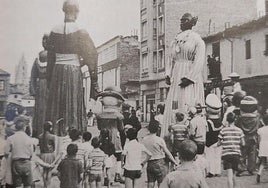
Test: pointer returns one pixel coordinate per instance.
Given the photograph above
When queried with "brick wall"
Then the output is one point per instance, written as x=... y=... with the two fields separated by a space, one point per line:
x=129 y=58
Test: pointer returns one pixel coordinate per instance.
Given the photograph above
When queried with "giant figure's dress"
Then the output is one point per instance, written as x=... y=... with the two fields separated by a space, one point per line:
x=187 y=59
x=69 y=49
x=38 y=88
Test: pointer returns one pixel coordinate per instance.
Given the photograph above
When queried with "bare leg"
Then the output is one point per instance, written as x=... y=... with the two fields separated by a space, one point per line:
x=230 y=177
x=234 y=179
x=135 y=183
x=128 y=183
x=98 y=184
x=151 y=184
x=93 y=184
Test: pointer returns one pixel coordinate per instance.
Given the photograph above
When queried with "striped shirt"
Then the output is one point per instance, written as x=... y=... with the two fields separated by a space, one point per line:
x=97 y=157
x=180 y=131
x=231 y=137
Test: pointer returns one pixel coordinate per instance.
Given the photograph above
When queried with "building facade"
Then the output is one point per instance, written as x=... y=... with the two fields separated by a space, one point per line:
x=160 y=20
x=119 y=66
x=243 y=49
x=4 y=90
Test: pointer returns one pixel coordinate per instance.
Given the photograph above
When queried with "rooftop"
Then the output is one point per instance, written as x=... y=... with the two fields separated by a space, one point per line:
x=239 y=29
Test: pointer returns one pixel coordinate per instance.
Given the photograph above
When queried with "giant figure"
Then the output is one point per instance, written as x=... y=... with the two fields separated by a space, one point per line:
x=111 y=120
x=38 y=88
x=69 y=49
x=184 y=74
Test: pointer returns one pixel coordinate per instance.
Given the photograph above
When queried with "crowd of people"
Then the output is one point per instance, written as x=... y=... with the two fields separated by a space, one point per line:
x=197 y=146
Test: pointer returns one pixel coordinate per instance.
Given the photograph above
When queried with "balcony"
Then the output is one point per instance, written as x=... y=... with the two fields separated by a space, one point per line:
x=214 y=68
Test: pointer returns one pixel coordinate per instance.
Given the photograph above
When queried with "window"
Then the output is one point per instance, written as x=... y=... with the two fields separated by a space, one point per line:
x=266 y=45
x=161 y=60
x=145 y=62
x=144 y=29
x=162 y=97
x=216 y=49
x=266 y=7
x=1 y=106
x=248 y=49
x=155 y=62
x=2 y=85
x=161 y=26
x=143 y=4
x=154 y=27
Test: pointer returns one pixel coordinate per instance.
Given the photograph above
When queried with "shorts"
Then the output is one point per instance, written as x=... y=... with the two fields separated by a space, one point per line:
x=200 y=147
x=176 y=146
x=231 y=162
x=21 y=172
x=132 y=174
x=94 y=177
x=156 y=170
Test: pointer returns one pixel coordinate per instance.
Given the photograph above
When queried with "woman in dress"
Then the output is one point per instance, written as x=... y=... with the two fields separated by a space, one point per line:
x=69 y=49
x=38 y=88
x=184 y=75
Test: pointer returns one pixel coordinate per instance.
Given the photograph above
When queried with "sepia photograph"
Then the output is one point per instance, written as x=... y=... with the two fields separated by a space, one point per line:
x=134 y=93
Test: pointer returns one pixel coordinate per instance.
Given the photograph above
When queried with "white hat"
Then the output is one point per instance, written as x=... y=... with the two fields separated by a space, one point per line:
x=213 y=104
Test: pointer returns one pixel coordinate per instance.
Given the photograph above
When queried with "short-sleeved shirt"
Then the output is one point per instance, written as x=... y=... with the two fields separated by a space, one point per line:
x=70 y=170
x=180 y=131
x=184 y=177
x=231 y=137
x=155 y=145
x=263 y=133
x=198 y=128
x=82 y=152
x=20 y=145
x=97 y=156
x=133 y=151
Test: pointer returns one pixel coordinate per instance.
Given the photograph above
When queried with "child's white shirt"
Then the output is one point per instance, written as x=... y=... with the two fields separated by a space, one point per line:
x=133 y=151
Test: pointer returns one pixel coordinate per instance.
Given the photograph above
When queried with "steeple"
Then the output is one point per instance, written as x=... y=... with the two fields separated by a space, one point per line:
x=21 y=75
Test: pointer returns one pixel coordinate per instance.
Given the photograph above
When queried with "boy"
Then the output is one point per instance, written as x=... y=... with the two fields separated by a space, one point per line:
x=132 y=154
x=87 y=147
x=156 y=168
x=187 y=175
x=180 y=132
x=231 y=138
x=70 y=169
x=263 y=146
x=96 y=163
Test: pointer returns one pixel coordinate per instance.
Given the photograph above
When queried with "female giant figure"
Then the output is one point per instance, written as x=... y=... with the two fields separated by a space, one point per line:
x=38 y=88
x=69 y=49
x=184 y=76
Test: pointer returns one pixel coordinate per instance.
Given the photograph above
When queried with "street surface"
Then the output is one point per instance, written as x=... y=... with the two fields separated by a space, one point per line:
x=215 y=182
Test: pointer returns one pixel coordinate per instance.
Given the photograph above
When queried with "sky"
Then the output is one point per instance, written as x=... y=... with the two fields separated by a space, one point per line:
x=23 y=23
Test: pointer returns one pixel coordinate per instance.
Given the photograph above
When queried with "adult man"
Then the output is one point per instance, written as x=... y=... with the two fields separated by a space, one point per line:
x=20 y=147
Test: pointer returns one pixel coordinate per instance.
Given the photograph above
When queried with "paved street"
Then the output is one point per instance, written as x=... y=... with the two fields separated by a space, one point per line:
x=217 y=182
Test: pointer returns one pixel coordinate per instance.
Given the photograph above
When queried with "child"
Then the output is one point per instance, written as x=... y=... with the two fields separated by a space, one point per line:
x=70 y=169
x=132 y=154
x=156 y=168
x=108 y=148
x=96 y=164
x=87 y=147
x=36 y=163
x=180 y=132
x=187 y=174
x=231 y=138
x=263 y=146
